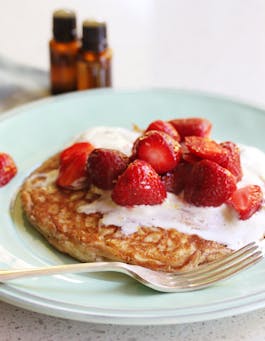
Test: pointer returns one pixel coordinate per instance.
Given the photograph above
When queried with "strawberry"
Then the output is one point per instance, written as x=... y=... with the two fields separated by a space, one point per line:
x=139 y=185
x=209 y=184
x=176 y=179
x=190 y=158
x=192 y=127
x=105 y=165
x=246 y=201
x=75 y=150
x=164 y=126
x=232 y=162
x=8 y=168
x=187 y=156
x=73 y=166
x=205 y=148
x=159 y=149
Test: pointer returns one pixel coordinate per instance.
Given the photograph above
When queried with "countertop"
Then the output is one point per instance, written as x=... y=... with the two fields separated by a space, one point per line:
x=20 y=84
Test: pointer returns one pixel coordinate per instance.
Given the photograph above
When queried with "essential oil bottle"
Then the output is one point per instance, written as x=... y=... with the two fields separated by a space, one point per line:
x=63 y=52
x=94 y=61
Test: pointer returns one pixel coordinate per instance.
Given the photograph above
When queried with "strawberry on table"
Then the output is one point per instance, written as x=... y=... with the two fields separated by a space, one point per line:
x=194 y=126
x=209 y=184
x=73 y=166
x=205 y=148
x=159 y=149
x=8 y=168
x=246 y=201
x=139 y=185
x=105 y=165
x=165 y=127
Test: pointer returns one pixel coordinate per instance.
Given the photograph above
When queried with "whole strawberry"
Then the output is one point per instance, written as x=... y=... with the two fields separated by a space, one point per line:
x=139 y=185
x=209 y=184
x=159 y=149
x=105 y=165
x=8 y=169
x=176 y=179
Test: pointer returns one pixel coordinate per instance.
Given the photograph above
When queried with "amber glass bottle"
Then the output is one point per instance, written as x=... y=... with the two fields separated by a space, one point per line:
x=63 y=52
x=94 y=61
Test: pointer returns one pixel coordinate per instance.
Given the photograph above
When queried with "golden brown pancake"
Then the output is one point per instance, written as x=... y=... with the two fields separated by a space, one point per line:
x=53 y=212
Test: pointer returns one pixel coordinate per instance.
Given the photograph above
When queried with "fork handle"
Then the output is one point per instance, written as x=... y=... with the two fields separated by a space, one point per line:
x=6 y=275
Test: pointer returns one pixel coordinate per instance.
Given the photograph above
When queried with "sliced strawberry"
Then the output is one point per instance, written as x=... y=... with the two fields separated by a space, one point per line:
x=105 y=165
x=176 y=179
x=8 y=168
x=246 y=201
x=139 y=185
x=209 y=184
x=187 y=156
x=205 y=148
x=232 y=162
x=75 y=150
x=159 y=149
x=164 y=126
x=190 y=158
x=192 y=127
x=73 y=166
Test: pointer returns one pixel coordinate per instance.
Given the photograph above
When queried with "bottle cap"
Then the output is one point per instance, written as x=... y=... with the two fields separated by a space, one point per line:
x=94 y=36
x=64 y=25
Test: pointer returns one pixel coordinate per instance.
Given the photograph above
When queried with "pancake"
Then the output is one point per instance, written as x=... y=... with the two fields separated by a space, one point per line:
x=54 y=213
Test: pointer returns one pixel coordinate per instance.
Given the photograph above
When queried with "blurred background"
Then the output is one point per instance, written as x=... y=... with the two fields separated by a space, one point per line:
x=208 y=45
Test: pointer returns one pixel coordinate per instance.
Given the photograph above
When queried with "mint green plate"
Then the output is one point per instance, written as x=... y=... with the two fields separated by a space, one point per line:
x=34 y=132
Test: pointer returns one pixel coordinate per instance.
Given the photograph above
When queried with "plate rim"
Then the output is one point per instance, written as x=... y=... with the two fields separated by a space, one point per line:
x=195 y=92
x=32 y=302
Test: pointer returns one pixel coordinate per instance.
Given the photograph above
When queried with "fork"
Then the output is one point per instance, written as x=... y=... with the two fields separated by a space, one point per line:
x=181 y=281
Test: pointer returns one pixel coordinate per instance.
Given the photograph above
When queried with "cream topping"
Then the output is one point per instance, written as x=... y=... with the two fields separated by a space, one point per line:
x=110 y=137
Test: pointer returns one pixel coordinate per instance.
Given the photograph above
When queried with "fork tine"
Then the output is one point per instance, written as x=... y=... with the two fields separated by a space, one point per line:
x=187 y=284
x=241 y=253
x=229 y=272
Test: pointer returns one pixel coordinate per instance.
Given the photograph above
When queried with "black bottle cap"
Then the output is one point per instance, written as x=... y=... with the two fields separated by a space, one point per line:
x=64 y=25
x=94 y=36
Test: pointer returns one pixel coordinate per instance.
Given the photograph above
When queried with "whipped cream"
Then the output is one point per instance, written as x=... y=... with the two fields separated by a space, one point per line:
x=110 y=137
x=220 y=224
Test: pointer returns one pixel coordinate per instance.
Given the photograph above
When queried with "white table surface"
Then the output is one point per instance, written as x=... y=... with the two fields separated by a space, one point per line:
x=210 y=45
